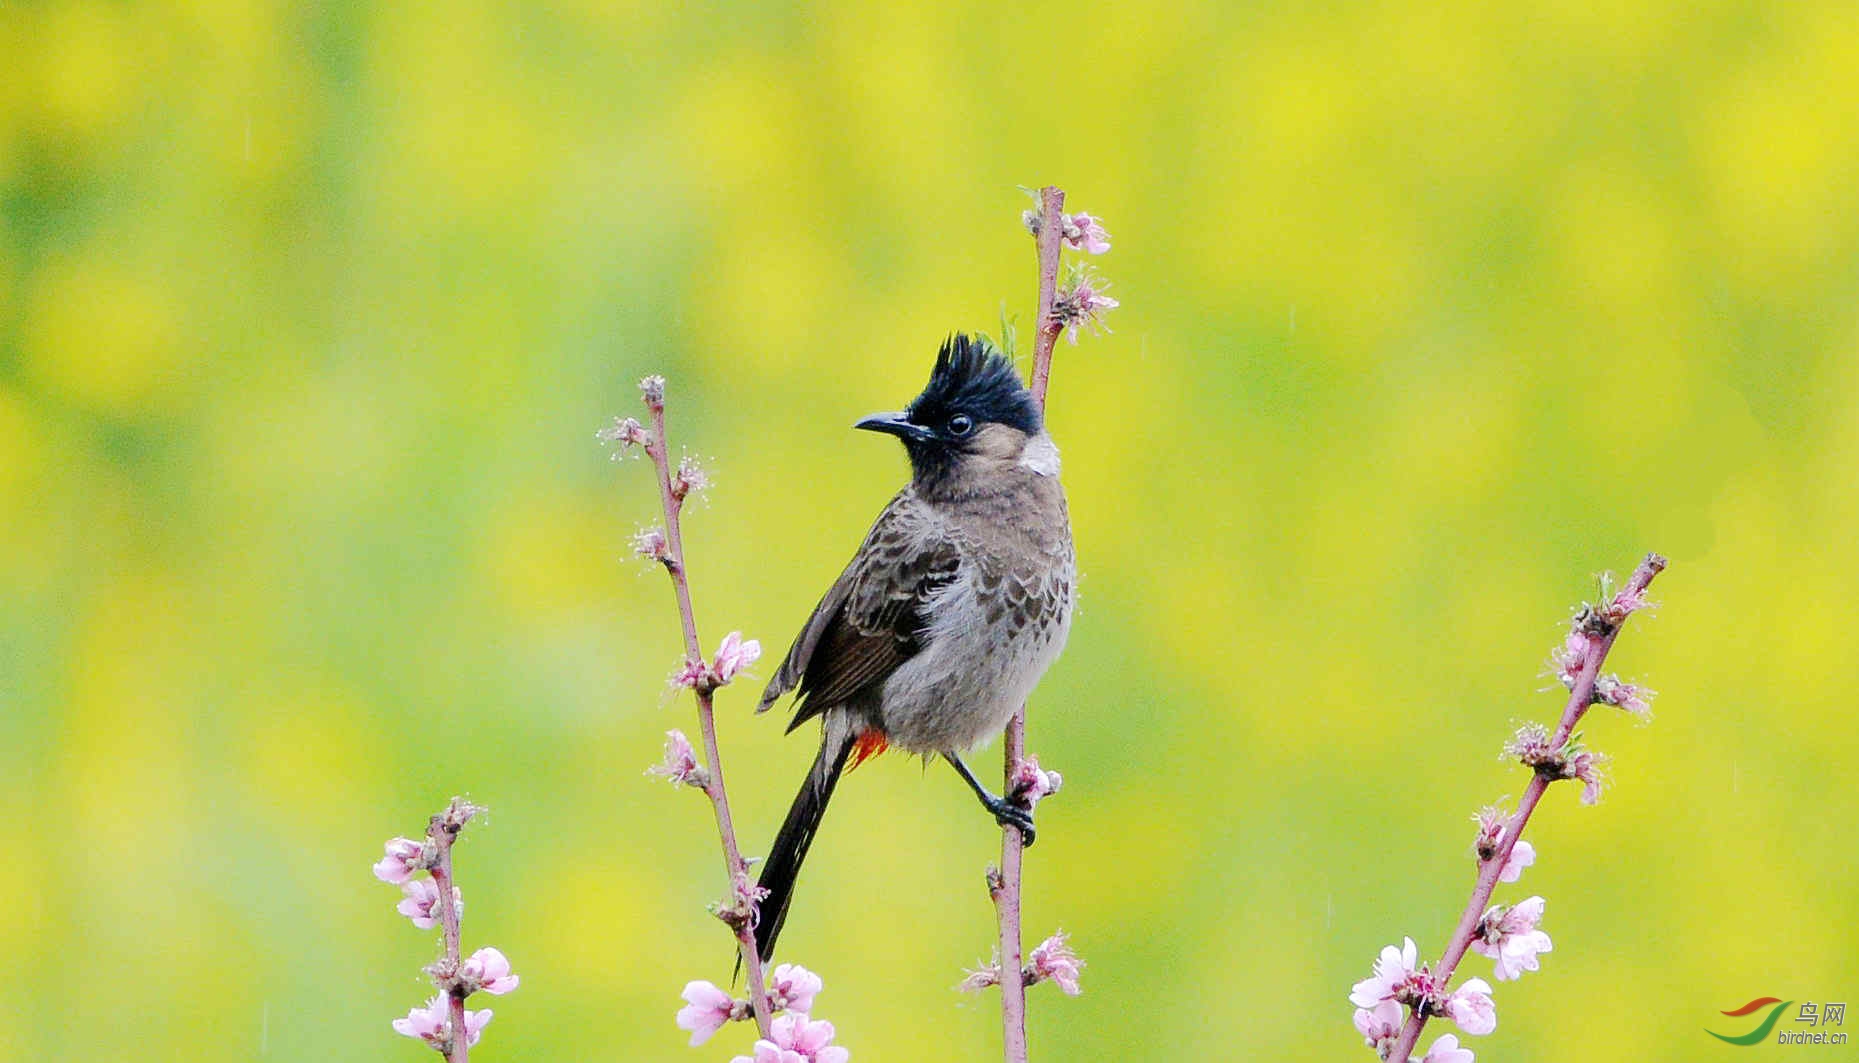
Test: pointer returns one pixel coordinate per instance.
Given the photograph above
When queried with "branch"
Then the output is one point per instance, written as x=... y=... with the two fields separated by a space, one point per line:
x=1552 y=757
x=1051 y=238
x=442 y=832
x=1005 y=886
x=708 y=1007
x=443 y=1023
x=740 y=914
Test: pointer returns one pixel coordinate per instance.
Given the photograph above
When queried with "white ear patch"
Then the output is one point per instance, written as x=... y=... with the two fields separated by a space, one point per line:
x=1041 y=455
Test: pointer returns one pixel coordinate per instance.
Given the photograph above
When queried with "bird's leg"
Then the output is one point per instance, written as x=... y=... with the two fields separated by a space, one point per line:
x=1006 y=812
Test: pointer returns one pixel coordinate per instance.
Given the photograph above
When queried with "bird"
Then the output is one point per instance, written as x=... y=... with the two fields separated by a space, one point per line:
x=953 y=608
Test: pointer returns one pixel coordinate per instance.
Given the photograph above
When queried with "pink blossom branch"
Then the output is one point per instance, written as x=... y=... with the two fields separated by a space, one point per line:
x=442 y=831
x=1081 y=303
x=443 y=1023
x=792 y=988
x=740 y=913
x=1004 y=886
x=1594 y=632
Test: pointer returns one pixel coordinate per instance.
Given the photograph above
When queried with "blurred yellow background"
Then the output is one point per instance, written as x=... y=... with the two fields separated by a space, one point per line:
x=308 y=313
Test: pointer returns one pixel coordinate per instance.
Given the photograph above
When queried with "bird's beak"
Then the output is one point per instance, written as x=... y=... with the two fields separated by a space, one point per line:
x=897 y=424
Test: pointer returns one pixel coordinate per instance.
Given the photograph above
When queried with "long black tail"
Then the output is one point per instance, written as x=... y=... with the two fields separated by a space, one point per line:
x=803 y=818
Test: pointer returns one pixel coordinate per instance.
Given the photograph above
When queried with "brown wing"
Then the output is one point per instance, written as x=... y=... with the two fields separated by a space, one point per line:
x=872 y=619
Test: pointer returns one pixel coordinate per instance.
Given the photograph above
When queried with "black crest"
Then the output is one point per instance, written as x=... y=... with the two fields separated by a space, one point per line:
x=973 y=378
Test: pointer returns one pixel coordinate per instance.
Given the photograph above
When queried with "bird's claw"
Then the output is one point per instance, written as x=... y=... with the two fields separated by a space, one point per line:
x=1011 y=814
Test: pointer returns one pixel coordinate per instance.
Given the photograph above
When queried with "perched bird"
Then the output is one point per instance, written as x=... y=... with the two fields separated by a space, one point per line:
x=954 y=606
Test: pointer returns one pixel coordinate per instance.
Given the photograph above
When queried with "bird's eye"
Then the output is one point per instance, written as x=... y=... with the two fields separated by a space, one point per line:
x=961 y=424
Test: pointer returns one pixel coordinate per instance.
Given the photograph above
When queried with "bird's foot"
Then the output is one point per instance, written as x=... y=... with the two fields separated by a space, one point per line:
x=1012 y=814
x=1007 y=812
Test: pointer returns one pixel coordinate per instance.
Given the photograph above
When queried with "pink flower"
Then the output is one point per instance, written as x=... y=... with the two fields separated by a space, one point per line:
x=1082 y=304
x=1510 y=937
x=691 y=674
x=421 y=903
x=1446 y=1050
x=793 y=987
x=487 y=969
x=1627 y=602
x=1054 y=959
x=1586 y=766
x=1531 y=745
x=706 y=1010
x=1380 y=1023
x=475 y=1022
x=734 y=655
x=747 y=894
x=1051 y=960
x=1522 y=855
x=1086 y=233
x=650 y=544
x=1535 y=748
x=432 y=1025
x=1394 y=970
x=797 y=1039
x=1636 y=699
x=457 y=814
x=627 y=432
x=689 y=477
x=1470 y=1006
x=1493 y=824
x=680 y=764
x=1566 y=660
x=1030 y=783
x=427 y=1023
x=769 y=1052
x=812 y=1040
x=980 y=978
x=404 y=857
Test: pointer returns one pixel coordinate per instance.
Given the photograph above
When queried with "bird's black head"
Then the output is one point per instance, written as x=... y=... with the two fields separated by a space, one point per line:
x=974 y=404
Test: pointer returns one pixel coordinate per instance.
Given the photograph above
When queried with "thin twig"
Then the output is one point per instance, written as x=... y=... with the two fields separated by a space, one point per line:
x=1581 y=697
x=1006 y=890
x=1051 y=236
x=737 y=867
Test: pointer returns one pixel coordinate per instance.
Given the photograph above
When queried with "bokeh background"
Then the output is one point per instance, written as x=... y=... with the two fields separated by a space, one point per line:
x=309 y=312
